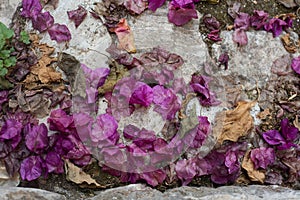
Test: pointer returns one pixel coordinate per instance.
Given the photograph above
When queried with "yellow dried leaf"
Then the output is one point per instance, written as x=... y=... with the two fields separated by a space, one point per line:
x=248 y=165
x=264 y=114
x=237 y=123
x=48 y=75
x=288 y=44
x=76 y=175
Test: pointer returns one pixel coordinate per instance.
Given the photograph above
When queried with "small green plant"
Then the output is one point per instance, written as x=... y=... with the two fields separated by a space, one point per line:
x=6 y=60
x=24 y=37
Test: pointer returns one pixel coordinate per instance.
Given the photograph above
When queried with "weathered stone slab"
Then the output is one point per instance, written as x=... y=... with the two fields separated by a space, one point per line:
x=16 y=193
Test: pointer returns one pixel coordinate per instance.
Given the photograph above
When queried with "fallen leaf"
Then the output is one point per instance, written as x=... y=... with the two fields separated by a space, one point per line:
x=288 y=3
x=71 y=67
x=6 y=180
x=248 y=165
x=237 y=123
x=288 y=44
x=125 y=36
x=76 y=175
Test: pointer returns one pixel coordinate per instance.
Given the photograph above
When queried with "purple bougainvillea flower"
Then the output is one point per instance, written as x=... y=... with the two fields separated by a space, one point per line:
x=186 y=170
x=199 y=83
x=285 y=138
x=296 y=64
x=275 y=26
x=166 y=102
x=59 y=33
x=31 y=8
x=273 y=137
x=60 y=121
x=154 y=178
x=77 y=15
x=142 y=95
x=203 y=130
x=105 y=131
x=135 y=6
x=94 y=79
x=288 y=131
x=31 y=168
x=240 y=37
x=214 y=36
x=258 y=19
x=83 y=123
x=154 y=4
x=43 y=21
x=36 y=137
x=54 y=163
x=223 y=59
x=242 y=21
x=211 y=22
x=10 y=129
x=262 y=157
x=181 y=12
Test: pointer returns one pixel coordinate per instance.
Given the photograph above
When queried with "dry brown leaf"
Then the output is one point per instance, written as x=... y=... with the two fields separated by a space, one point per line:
x=248 y=165
x=264 y=114
x=288 y=44
x=125 y=36
x=48 y=75
x=296 y=123
x=237 y=123
x=76 y=175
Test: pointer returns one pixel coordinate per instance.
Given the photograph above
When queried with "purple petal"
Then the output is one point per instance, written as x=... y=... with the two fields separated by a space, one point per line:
x=273 y=137
x=10 y=129
x=258 y=19
x=59 y=33
x=296 y=64
x=275 y=26
x=77 y=15
x=288 y=131
x=202 y=132
x=262 y=157
x=60 y=121
x=154 y=178
x=43 y=21
x=31 y=8
x=181 y=15
x=154 y=4
x=214 y=36
x=242 y=21
x=142 y=95
x=31 y=168
x=166 y=102
x=54 y=163
x=36 y=138
x=186 y=170
x=240 y=37
x=211 y=22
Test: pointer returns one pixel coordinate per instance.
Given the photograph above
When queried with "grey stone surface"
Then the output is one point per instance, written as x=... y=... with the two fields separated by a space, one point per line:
x=253 y=192
x=7 y=9
x=16 y=193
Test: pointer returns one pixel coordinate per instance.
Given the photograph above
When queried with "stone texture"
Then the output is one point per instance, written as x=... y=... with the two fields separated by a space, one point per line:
x=7 y=9
x=253 y=192
x=15 y=193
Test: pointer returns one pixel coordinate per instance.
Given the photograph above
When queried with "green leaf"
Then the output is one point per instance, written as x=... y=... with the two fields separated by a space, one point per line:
x=2 y=42
x=11 y=61
x=3 y=71
x=1 y=64
x=5 y=32
x=24 y=37
x=5 y=54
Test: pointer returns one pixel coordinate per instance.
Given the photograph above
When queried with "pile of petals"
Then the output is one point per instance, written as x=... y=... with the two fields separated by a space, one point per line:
x=259 y=20
x=44 y=21
x=180 y=11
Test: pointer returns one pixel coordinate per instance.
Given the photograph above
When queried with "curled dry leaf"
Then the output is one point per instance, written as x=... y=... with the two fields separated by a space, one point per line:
x=248 y=165
x=6 y=180
x=125 y=36
x=237 y=123
x=290 y=46
x=76 y=175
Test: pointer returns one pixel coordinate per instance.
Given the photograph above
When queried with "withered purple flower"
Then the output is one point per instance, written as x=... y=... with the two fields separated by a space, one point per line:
x=258 y=19
x=43 y=21
x=77 y=15
x=31 y=8
x=181 y=12
x=59 y=33
x=262 y=157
